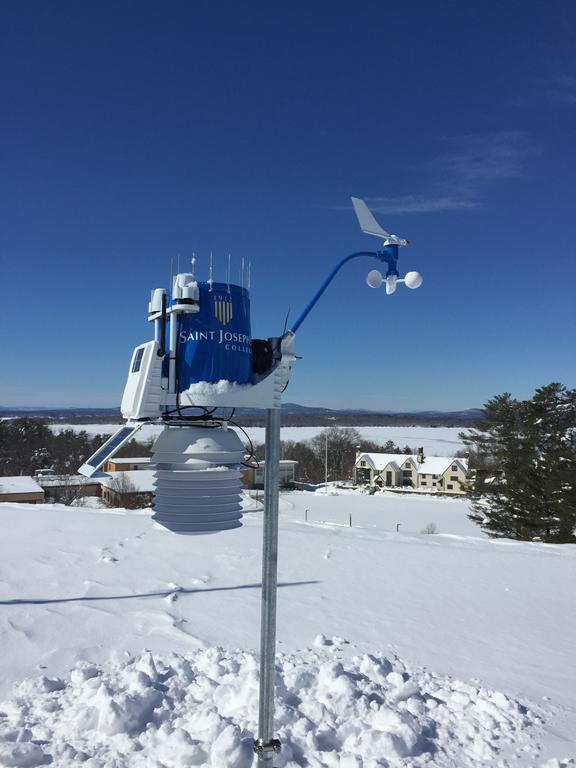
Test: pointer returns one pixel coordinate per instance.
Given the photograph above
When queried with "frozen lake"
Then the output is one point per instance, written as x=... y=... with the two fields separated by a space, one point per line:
x=436 y=441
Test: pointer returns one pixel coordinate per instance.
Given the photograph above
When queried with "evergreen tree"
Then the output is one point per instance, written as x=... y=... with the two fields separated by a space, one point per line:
x=527 y=487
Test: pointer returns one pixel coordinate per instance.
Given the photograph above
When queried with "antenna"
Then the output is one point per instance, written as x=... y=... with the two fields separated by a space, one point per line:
x=286 y=321
x=210 y=281
x=228 y=274
x=193 y=263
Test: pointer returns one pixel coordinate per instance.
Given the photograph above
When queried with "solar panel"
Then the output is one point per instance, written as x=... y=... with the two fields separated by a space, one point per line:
x=93 y=464
x=137 y=360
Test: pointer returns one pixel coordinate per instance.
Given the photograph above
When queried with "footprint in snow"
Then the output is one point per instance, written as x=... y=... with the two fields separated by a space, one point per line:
x=107 y=557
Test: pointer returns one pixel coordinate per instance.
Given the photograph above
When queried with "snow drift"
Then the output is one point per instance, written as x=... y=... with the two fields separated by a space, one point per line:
x=201 y=709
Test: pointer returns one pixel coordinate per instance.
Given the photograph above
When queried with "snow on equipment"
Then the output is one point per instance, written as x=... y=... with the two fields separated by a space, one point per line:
x=201 y=365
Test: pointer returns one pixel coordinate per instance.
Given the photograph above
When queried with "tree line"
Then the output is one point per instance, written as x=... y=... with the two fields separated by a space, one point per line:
x=342 y=444
x=28 y=444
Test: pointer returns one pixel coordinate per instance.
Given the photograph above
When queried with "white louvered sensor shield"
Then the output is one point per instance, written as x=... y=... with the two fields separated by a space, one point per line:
x=198 y=486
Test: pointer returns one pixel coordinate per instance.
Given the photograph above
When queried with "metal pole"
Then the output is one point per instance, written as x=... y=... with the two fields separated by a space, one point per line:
x=326 y=467
x=266 y=746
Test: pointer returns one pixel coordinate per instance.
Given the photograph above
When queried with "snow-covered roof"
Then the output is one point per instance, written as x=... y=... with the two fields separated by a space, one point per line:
x=432 y=465
x=141 y=479
x=131 y=460
x=51 y=481
x=437 y=465
x=19 y=484
x=381 y=460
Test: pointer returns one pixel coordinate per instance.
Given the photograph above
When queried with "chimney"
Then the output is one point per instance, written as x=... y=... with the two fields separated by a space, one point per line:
x=420 y=457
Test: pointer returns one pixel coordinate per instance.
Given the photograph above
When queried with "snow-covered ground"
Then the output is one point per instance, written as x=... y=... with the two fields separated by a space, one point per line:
x=436 y=441
x=130 y=646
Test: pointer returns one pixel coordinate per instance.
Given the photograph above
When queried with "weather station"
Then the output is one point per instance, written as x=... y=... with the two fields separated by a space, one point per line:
x=201 y=365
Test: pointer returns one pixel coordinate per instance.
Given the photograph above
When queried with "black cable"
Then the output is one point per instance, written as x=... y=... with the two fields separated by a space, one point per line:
x=176 y=366
x=252 y=455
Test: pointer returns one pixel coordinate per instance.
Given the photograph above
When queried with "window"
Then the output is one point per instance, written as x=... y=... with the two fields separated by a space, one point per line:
x=454 y=468
x=362 y=463
x=137 y=360
x=362 y=475
x=454 y=478
x=435 y=477
x=423 y=482
x=408 y=465
x=449 y=487
x=407 y=473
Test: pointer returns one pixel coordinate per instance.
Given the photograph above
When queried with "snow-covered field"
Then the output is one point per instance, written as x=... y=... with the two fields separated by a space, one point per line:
x=125 y=645
x=436 y=441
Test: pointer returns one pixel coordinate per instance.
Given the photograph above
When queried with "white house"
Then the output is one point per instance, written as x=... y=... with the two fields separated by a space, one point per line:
x=442 y=474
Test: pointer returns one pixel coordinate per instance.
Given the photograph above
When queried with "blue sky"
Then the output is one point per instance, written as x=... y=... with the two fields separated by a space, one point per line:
x=135 y=131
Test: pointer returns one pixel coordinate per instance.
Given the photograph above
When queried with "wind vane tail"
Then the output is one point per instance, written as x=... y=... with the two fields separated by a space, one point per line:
x=370 y=226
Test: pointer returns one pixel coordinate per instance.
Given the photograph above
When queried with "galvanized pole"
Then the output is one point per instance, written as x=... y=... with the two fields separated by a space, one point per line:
x=266 y=746
x=326 y=466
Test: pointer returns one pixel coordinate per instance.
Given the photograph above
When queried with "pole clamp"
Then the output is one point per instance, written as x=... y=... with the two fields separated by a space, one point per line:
x=265 y=748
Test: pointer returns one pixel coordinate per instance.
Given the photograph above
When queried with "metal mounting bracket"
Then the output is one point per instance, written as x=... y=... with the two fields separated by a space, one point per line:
x=265 y=748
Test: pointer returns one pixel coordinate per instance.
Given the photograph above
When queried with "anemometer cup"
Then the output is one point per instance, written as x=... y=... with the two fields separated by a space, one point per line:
x=413 y=280
x=374 y=278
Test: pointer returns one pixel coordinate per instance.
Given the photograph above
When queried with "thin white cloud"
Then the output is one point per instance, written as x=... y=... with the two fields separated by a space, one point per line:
x=418 y=204
x=474 y=161
x=460 y=176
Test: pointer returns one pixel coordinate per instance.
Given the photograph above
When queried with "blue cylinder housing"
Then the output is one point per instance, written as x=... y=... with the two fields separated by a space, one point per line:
x=215 y=343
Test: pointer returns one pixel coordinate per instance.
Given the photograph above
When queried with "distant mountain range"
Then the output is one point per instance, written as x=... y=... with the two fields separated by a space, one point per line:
x=293 y=415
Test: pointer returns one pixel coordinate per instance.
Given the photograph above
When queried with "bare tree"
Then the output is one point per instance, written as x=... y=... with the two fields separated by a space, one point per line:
x=430 y=528
x=130 y=498
x=342 y=445
x=66 y=492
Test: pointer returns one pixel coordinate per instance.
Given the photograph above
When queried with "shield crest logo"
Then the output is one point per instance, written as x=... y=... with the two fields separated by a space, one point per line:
x=223 y=309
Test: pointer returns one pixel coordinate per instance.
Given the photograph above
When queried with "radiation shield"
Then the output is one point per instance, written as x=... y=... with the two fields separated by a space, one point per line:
x=198 y=479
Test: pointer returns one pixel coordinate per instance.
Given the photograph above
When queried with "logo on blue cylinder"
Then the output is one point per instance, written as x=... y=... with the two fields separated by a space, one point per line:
x=215 y=343
x=223 y=309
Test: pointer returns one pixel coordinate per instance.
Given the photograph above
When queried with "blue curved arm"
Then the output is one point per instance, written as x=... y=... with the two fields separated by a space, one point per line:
x=389 y=255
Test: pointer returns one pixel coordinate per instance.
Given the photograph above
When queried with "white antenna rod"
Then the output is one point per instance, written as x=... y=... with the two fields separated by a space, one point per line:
x=249 y=273
x=193 y=264
x=210 y=272
x=228 y=274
